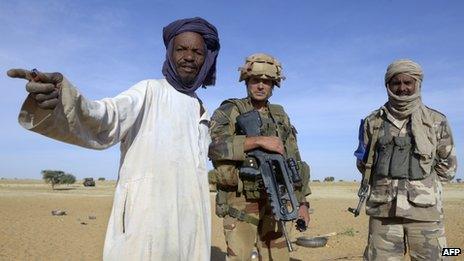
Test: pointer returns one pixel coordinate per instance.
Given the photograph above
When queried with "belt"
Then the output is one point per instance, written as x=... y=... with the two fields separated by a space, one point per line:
x=242 y=216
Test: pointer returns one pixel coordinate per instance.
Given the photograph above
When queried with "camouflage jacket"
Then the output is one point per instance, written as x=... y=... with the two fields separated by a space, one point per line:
x=226 y=149
x=412 y=199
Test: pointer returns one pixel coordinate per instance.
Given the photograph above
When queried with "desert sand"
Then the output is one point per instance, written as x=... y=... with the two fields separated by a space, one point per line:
x=28 y=231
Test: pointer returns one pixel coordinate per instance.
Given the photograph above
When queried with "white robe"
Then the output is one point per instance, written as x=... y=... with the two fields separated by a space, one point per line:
x=161 y=208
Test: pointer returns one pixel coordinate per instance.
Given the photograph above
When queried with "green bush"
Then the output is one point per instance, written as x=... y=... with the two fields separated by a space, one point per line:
x=68 y=179
x=57 y=177
x=329 y=179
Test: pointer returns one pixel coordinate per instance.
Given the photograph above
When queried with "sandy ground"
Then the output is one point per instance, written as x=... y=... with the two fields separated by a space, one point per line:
x=28 y=231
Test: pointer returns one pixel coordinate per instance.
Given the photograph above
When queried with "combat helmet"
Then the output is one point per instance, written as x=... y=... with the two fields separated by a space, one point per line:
x=263 y=66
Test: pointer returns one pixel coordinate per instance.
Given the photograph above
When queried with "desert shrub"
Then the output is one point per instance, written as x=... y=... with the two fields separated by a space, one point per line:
x=54 y=177
x=329 y=179
x=101 y=179
x=68 y=179
x=316 y=180
x=349 y=232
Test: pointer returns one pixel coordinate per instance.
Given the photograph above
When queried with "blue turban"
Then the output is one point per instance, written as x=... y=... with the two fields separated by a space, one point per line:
x=207 y=74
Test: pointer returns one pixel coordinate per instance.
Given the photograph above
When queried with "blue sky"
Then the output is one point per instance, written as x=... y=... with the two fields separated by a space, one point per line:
x=334 y=54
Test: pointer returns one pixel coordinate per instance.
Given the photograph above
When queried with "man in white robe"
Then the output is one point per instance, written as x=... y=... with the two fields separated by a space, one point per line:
x=161 y=208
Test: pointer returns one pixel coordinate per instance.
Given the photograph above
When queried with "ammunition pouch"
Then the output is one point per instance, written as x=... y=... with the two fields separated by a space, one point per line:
x=226 y=173
x=251 y=189
x=399 y=165
x=249 y=169
x=222 y=208
x=415 y=172
x=381 y=192
x=303 y=171
x=384 y=154
x=251 y=178
x=396 y=158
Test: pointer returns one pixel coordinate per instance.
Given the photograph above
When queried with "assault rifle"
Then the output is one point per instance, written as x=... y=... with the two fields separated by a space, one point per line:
x=277 y=174
x=364 y=187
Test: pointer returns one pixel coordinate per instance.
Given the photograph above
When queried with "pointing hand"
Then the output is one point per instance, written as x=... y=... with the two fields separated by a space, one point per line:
x=43 y=87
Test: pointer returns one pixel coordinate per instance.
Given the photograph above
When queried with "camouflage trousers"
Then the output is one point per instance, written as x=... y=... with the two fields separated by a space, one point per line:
x=390 y=238
x=246 y=241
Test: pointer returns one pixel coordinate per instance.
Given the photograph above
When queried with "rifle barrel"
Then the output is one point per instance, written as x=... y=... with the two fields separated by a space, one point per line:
x=289 y=243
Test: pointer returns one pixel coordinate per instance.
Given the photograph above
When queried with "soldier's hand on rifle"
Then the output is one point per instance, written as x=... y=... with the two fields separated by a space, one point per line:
x=272 y=144
x=44 y=88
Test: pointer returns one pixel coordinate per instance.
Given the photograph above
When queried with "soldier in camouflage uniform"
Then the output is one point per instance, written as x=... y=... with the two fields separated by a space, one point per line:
x=249 y=226
x=413 y=153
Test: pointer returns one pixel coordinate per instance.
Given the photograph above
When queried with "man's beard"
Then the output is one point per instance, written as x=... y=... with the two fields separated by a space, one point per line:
x=188 y=80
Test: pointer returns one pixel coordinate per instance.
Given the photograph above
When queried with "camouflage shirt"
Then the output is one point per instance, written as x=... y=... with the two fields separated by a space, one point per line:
x=226 y=149
x=412 y=199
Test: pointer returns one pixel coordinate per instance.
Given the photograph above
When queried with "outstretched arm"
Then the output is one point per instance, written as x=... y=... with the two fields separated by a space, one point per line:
x=56 y=109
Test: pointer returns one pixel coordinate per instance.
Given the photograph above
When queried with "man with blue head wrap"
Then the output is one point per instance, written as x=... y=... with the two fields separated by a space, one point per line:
x=161 y=207
x=185 y=75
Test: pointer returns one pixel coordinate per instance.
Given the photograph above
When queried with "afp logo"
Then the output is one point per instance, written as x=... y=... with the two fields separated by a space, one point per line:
x=451 y=251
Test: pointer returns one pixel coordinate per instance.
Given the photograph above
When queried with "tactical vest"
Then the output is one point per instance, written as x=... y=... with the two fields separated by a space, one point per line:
x=395 y=156
x=274 y=123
